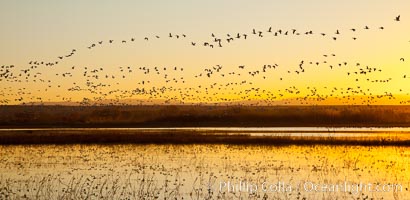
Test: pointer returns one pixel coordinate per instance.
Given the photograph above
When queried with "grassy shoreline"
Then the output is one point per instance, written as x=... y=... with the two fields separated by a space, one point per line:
x=187 y=137
x=172 y=116
x=203 y=116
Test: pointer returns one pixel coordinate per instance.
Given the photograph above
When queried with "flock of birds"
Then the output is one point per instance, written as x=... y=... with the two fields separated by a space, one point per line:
x=240 y=85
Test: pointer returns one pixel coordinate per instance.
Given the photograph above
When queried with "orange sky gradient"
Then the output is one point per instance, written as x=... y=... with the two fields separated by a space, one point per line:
x=44 y=30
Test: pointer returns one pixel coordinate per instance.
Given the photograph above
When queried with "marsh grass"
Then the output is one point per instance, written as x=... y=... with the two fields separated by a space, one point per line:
x=194 y=136
x=204 y=116
x=194 y=171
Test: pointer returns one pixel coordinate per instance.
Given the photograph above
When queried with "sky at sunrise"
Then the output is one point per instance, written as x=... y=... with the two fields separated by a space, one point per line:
x=188 y=51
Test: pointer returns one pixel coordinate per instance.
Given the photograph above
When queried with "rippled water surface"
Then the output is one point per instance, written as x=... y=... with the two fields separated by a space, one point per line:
x=203 y=172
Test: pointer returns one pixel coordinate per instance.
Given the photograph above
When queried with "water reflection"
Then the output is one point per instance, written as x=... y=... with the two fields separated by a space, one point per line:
x=199 y=171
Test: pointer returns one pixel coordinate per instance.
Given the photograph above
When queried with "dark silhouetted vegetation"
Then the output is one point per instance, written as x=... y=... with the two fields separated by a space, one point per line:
x=203 y=116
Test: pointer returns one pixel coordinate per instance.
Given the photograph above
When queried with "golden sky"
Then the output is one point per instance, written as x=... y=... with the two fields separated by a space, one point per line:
x=43 y=30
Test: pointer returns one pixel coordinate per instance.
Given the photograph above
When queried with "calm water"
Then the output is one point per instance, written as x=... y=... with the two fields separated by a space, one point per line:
x=203 y=172
x=246 y=129
x=400 y=133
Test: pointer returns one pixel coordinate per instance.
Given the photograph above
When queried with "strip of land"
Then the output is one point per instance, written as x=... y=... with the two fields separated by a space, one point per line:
x=191 y=136
x=18 y=124
x=204 y=116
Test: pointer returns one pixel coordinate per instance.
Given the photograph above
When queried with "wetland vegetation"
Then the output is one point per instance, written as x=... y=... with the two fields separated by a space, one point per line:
x=197 y=171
